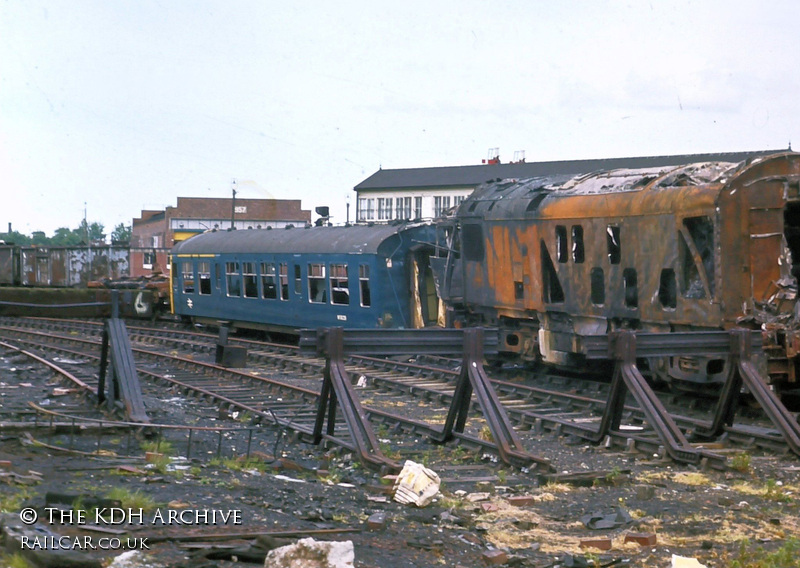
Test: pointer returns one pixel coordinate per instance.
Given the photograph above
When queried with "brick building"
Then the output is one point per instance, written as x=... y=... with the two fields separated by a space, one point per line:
x=155 y=232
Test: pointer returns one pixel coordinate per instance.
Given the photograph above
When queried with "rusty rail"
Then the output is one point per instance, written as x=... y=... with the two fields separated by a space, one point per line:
x=336 y=386
x=472 y=343
x=743 y=371
x=738 y=344
x=473 y=377
x=123 y=385
x=622 y=348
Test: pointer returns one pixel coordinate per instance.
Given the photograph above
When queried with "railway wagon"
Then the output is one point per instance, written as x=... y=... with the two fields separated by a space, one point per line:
x=61 y=266
x=49 y=276
x=698 y=247
x=282 y=280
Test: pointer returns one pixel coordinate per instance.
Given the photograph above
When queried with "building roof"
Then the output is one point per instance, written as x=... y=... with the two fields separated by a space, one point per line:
x=469 y=176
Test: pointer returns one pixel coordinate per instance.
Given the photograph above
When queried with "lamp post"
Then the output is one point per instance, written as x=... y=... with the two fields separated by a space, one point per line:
x=348 y=210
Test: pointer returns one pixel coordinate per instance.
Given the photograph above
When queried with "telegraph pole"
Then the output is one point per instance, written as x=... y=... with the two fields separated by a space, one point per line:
x=233 y=206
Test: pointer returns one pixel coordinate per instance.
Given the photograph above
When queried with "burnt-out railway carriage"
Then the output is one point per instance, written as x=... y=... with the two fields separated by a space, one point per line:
x=703 y=246
x=361 y=276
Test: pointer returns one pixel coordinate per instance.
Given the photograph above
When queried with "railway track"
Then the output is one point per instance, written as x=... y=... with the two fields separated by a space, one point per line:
x=419 y=389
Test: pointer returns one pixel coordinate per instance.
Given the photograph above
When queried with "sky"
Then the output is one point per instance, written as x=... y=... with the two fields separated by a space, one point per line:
x=109 y=107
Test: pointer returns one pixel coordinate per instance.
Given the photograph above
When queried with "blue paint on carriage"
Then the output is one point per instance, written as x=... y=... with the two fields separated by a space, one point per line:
x=358 y=276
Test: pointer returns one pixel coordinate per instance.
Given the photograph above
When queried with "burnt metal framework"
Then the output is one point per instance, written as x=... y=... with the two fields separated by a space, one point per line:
x=334 y=343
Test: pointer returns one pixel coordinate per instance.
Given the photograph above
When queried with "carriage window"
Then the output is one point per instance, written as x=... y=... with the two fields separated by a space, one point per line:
x=631 y=290
x=553 y=292
x=234 y=279
x=188 y=277
x=340 y=291
x=473 y=242
x=316 y=284
x=577 y=244
x=269 y=285
x=598 y=287
x=561 y=244
x=363 y=283
x=697 y=241
x=667 y=289
x=614 y=248
x=250 y=280
x=298 y=283
x=284 y=276
x=204 y=276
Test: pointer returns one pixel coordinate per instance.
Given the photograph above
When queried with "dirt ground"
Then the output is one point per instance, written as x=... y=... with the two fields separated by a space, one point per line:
x=608 y=508
x=476 y=519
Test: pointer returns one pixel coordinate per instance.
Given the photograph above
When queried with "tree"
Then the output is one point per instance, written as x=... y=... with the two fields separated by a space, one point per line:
x=90 y=233
x=121 y=234
x=39 y=238
x=15 y=237
x=64 y=237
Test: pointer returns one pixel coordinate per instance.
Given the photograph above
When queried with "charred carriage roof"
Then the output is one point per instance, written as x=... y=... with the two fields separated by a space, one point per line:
x=512 y=198
x=356 y=239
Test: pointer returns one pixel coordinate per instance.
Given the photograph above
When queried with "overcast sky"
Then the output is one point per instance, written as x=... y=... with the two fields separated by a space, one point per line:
x=111 y=106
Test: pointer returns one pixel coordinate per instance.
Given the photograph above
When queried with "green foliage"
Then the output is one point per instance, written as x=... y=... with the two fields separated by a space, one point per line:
x=775 y=492
x=741 y=462
x=121 y=234
x=85 y=233
x=11 y=502
x=15 y=237
x=132 y=499
x=16 y=560
x=158 y=446
x=784 y=557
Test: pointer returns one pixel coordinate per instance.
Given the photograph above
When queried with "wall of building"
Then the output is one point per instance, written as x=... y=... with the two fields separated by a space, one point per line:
x=155 y=232
x=381 y=206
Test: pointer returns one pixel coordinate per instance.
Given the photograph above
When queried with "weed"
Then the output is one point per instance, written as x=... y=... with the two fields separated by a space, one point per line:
x=748 y=557
x=16 y=560
x=160 y=463
x=11 y=502
x=486 y=434
x=741 y=462
x=243 y=464
x=158 y=446
x=132 y=499
x=775 y=492
x=458 y=454
x=613 y=475
x=502 y=476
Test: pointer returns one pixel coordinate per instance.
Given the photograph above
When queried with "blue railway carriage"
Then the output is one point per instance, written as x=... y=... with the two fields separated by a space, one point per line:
x=282 y=280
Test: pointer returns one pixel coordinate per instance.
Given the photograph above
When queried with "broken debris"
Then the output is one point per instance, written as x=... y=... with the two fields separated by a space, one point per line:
x=310 y=553
x=416 y=484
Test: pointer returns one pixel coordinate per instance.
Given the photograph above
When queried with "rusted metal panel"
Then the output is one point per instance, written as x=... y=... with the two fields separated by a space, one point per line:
x=59 y=267
x=9 y=265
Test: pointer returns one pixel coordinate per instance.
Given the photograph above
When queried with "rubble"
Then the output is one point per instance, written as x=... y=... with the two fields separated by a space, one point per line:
x=310 y=553
x=416 y=484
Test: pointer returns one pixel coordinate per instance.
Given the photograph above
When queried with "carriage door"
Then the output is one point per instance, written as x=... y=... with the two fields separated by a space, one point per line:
x=425 y=297
x=765 y=244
